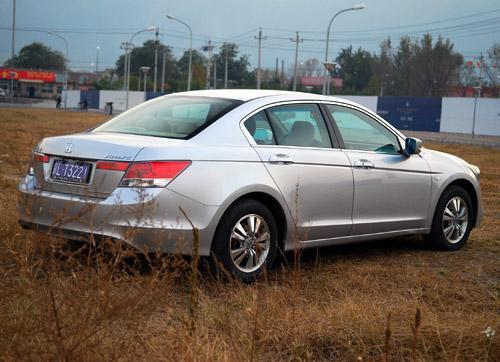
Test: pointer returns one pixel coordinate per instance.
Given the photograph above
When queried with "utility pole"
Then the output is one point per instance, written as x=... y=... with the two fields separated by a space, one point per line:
x=163 y=70
x=156 y=59
x=124 y=46
x=276 y=74
x=259 y=38
x=208 y=48
x=225 y=69
x=282 y=71
x=13 y=53
x=215 y=72
x=297 y=40
x=13 y=28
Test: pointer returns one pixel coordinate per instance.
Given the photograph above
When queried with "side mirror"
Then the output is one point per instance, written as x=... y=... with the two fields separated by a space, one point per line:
x=413 y=146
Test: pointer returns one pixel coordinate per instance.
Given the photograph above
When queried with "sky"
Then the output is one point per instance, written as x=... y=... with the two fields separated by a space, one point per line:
x=473 y=26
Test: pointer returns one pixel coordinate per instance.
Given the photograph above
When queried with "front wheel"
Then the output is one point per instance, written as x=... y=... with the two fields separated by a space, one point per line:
x=452 y=222
x=245 y=242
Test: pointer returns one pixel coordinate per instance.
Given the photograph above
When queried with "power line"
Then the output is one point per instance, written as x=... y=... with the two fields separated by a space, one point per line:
x=392 y=27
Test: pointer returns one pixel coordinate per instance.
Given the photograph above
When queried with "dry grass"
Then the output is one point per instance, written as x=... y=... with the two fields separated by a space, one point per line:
x=390 y=300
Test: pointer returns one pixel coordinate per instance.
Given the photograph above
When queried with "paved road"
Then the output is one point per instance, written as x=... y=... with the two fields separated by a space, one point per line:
x=45 y=103
x=456 y=138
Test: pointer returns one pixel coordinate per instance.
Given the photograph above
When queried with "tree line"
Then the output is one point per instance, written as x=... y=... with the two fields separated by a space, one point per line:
x=413 y=67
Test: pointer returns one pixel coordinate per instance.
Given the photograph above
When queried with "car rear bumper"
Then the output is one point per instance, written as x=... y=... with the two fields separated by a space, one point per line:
x=150 y=220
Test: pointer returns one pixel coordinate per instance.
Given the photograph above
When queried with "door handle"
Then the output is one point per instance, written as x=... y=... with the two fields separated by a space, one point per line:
x=280 y=158
x=363 y=163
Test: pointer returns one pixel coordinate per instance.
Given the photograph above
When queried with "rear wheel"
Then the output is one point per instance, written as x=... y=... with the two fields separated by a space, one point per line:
x=245 y=242
x=452 y=221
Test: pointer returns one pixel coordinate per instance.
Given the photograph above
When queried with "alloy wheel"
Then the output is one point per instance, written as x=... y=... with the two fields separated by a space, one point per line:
x=455 y=219
x=249 y=243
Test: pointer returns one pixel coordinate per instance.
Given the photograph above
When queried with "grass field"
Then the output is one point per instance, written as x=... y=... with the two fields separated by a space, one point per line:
x=372 y=301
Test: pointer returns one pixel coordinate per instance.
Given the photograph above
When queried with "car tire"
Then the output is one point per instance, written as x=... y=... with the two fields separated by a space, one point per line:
x=246 y=240
x=451 y=227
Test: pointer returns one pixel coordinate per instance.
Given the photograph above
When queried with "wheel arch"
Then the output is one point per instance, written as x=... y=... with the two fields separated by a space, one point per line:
x=272 y=204
x=471 y=190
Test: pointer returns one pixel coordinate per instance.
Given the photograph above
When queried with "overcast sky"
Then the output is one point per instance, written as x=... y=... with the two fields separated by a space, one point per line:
x=106 y=23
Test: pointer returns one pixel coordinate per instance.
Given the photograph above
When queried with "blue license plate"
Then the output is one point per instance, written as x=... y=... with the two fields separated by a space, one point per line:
x=71 y=171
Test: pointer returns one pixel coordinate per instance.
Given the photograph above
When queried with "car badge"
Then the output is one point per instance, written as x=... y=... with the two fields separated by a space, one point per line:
x=69 y=148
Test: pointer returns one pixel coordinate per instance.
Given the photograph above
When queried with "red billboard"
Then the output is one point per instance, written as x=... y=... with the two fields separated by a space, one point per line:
x=27 y=75
x=318 y=81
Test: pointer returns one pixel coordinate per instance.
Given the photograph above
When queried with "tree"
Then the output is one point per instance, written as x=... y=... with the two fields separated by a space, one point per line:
x=383 y=68
x=417 y=67
x=144 y=56
x=238 y=75
x=37 y=56
x=198 y=63
x=355 y=69
x=403 y=67
x=491 y=69
x=108 y=80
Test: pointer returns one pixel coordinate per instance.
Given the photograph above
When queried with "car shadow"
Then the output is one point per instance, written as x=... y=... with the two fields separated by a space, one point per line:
x=393 y=247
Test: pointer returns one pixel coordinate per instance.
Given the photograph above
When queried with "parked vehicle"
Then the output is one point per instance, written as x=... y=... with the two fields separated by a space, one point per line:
x=254 y=171
x=3 y=93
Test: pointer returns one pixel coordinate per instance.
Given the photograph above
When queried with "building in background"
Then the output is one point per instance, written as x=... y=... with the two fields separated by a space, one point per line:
x=41 y=83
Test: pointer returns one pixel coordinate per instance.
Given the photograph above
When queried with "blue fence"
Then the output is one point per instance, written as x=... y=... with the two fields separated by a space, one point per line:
x=411 y=113
x=92 y=97
x=151 y=95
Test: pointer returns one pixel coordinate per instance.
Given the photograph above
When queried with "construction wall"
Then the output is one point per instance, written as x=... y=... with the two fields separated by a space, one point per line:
x=430 y=114
x=458 y=113
x=119 y=99
x=73 y=98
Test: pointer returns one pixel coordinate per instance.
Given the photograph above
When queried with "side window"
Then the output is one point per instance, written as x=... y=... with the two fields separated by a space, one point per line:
x=361 y=132
x=259 y=128
x=299 y=125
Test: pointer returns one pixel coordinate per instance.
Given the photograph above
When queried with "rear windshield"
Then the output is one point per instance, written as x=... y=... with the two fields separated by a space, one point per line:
x=171 y=117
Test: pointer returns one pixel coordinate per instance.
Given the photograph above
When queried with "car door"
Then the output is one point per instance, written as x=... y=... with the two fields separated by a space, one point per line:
x=391 y=191
x=295 y=145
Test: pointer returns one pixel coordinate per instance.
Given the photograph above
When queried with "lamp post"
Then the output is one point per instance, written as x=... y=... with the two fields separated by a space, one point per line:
x=145 y=70
x=477 y=94
x=356 y=7
x=190 y=47
x=97 y=49
x=329 y=67
x=128 y=56
x=66 y=68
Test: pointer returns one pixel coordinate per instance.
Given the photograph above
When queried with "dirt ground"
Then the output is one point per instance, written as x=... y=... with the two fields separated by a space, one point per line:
x=390 y=300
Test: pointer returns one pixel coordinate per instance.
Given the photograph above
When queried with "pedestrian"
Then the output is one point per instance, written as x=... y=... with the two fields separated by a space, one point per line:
x=85 y=104
x=58 y=101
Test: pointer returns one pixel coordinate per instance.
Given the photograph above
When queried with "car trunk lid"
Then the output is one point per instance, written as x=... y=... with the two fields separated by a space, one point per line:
x=88 y=150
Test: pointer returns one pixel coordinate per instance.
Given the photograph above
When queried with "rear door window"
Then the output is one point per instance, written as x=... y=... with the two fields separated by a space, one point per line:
x=300 y=125
x=259 y=128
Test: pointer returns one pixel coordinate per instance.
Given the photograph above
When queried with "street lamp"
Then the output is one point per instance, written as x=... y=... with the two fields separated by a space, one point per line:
x=128 y=56
x=477 y=94
x=97 y=59
x=66 y=68
x=145 y=70
x=329 y=66
x=190 y=47
x=356 y=7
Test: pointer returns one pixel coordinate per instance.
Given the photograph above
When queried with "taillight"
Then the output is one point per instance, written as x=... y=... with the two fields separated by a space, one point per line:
x=153 y=174
x=40 y=157
x=112 y=165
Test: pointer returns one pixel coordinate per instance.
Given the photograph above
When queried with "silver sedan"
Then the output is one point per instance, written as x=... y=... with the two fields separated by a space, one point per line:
x=255 y=172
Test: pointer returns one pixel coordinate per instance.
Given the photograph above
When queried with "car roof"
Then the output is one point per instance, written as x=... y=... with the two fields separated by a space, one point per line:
x=250 y=94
